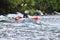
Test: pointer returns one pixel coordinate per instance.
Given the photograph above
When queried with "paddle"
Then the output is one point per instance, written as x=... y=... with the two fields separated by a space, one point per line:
x=34 y=18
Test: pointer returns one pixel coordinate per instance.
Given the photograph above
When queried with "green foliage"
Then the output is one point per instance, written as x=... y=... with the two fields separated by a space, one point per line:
x=14 y=3
x=7 y=6
x=32 y=11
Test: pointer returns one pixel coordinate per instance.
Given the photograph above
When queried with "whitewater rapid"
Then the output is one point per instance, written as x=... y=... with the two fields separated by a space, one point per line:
x=46 y=28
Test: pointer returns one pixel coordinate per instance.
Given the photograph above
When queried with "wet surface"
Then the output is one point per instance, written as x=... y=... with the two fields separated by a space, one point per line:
x=44 y=29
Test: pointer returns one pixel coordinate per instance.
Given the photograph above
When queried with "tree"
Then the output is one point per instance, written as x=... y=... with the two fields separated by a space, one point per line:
x=7 y=6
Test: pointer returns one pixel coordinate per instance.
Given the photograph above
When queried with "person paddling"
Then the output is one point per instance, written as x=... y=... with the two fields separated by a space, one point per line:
x=25 y=14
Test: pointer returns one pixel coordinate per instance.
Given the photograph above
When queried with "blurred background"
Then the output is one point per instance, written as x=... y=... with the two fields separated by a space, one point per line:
x=33 y=6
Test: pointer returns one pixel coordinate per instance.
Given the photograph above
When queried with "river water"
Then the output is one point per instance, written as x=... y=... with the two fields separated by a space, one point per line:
x=46 y=28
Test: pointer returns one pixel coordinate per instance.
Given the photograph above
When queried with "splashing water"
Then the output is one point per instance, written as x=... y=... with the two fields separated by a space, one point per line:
x=26 y=29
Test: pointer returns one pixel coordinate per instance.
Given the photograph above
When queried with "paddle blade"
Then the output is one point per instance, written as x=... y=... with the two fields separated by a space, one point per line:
x=36 y=18
x=17 y=18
